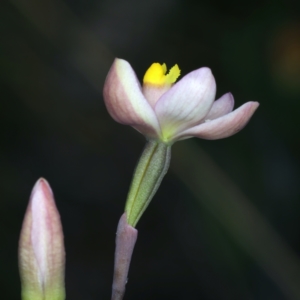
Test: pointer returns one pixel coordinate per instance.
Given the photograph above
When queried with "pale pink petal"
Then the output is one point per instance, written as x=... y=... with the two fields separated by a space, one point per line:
x=224 y=126
x=221 y=107
x=187 y=102
x=125 y=102
x=153 y=92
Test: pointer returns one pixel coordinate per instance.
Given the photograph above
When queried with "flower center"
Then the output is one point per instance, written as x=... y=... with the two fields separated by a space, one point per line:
x=156 y=75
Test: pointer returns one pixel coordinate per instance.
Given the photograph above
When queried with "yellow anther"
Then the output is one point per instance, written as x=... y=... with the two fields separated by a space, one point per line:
x=156 y=75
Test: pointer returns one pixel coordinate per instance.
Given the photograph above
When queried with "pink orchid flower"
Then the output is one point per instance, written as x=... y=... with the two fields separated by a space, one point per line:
x=170 y=112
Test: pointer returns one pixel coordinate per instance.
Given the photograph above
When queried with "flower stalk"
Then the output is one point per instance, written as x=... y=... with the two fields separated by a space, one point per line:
x=150 y=171
x=125 y=241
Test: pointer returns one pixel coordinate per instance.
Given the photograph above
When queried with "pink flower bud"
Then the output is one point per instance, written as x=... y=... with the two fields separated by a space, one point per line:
x=41 y=247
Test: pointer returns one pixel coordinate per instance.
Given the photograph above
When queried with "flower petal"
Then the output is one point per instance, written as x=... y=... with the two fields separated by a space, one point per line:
x=125 y=102
x=186 y=103
x=224 y=126
x=221 y=107
x=153 y=92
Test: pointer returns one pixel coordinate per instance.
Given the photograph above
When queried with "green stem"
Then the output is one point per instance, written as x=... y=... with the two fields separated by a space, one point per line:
x=152 y=167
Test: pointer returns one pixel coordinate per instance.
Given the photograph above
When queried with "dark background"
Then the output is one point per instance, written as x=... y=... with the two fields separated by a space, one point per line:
x=225 y=222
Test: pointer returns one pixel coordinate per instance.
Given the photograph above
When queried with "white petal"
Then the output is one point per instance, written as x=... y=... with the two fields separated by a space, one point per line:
x=187 y=102
x=125 y=102
x=224 y=126
x=221 y=107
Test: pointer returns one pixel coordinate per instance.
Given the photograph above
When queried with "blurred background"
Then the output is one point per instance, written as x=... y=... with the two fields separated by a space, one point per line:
x=225 y=222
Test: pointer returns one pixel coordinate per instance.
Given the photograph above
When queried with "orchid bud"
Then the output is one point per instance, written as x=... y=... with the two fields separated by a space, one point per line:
x=41 y=247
